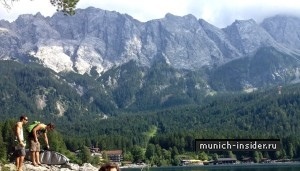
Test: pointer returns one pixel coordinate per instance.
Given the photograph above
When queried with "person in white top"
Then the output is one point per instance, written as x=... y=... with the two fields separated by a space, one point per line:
x=20 y=142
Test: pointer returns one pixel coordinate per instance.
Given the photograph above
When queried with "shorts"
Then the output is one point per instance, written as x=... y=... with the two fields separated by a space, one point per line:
x=35 y=146
x=20 y=152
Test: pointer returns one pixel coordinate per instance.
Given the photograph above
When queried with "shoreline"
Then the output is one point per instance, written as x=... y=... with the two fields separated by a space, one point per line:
x=241 y=165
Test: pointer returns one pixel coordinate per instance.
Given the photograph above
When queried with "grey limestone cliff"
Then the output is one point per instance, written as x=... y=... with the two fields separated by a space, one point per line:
x=100 y=39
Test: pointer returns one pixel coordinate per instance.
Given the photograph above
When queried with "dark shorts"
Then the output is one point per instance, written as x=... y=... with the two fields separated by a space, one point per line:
x=20 y=152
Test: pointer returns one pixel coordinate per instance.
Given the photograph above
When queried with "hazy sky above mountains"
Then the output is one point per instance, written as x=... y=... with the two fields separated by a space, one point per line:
x=220 y=13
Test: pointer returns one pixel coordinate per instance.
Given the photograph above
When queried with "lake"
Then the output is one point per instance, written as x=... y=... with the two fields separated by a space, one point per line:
x=236 y=167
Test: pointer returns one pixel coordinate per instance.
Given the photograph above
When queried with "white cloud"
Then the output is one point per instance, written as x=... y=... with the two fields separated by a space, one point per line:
x=26 y=7
x=217 y=12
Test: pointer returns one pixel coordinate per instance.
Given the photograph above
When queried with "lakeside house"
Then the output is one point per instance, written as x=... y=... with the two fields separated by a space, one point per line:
x=94 y=150
x=185 y=162
x=221 y=161
x=114 y=155
x=247 y=160
x=225 y=161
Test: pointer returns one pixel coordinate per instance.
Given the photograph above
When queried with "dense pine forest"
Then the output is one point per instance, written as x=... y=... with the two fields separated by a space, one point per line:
x=164 y=137
x=159 y=136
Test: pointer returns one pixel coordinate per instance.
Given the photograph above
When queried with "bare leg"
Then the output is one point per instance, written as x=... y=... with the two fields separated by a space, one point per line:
x=17 y=163
x=21 y=163
x=33 y=157
x=38 y=157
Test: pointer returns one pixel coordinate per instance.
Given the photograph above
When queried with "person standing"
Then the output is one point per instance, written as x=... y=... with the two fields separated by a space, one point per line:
x=20 y=142
x=35 y=147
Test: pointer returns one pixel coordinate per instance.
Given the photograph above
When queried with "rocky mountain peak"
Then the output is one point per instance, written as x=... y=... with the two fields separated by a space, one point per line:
x=221 y=39
x=248 y=36
x=182 y=53
x=244 y=23
x=100 y=39
x=177 y=23
x=284 y=29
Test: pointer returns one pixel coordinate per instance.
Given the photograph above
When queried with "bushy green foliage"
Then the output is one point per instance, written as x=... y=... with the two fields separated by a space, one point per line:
x=84 y=155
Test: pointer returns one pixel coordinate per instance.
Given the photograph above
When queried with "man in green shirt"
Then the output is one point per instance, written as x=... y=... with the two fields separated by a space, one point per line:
x=35 y=147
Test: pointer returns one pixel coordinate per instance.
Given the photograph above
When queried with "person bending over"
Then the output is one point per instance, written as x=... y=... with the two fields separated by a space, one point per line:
x=35 y=147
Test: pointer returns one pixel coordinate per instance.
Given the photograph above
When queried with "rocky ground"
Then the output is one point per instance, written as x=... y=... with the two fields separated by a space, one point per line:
x=66 y=167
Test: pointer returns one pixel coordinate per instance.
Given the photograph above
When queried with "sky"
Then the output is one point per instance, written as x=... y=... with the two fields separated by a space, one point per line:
x=220 y=13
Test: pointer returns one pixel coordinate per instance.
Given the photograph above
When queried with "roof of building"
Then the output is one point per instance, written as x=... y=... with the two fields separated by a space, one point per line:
x=226 y=159
x=114 y=152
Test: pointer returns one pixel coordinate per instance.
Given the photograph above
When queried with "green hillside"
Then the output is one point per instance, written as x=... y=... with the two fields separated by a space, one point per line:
x=118 y=117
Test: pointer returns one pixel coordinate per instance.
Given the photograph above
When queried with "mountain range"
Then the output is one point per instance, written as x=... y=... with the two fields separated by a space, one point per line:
x=114 y=61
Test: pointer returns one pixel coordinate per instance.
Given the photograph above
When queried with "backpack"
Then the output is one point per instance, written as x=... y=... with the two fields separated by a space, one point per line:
x=32 y=125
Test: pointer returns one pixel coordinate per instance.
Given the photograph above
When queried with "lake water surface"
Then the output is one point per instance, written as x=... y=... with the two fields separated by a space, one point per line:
x=254 y=167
